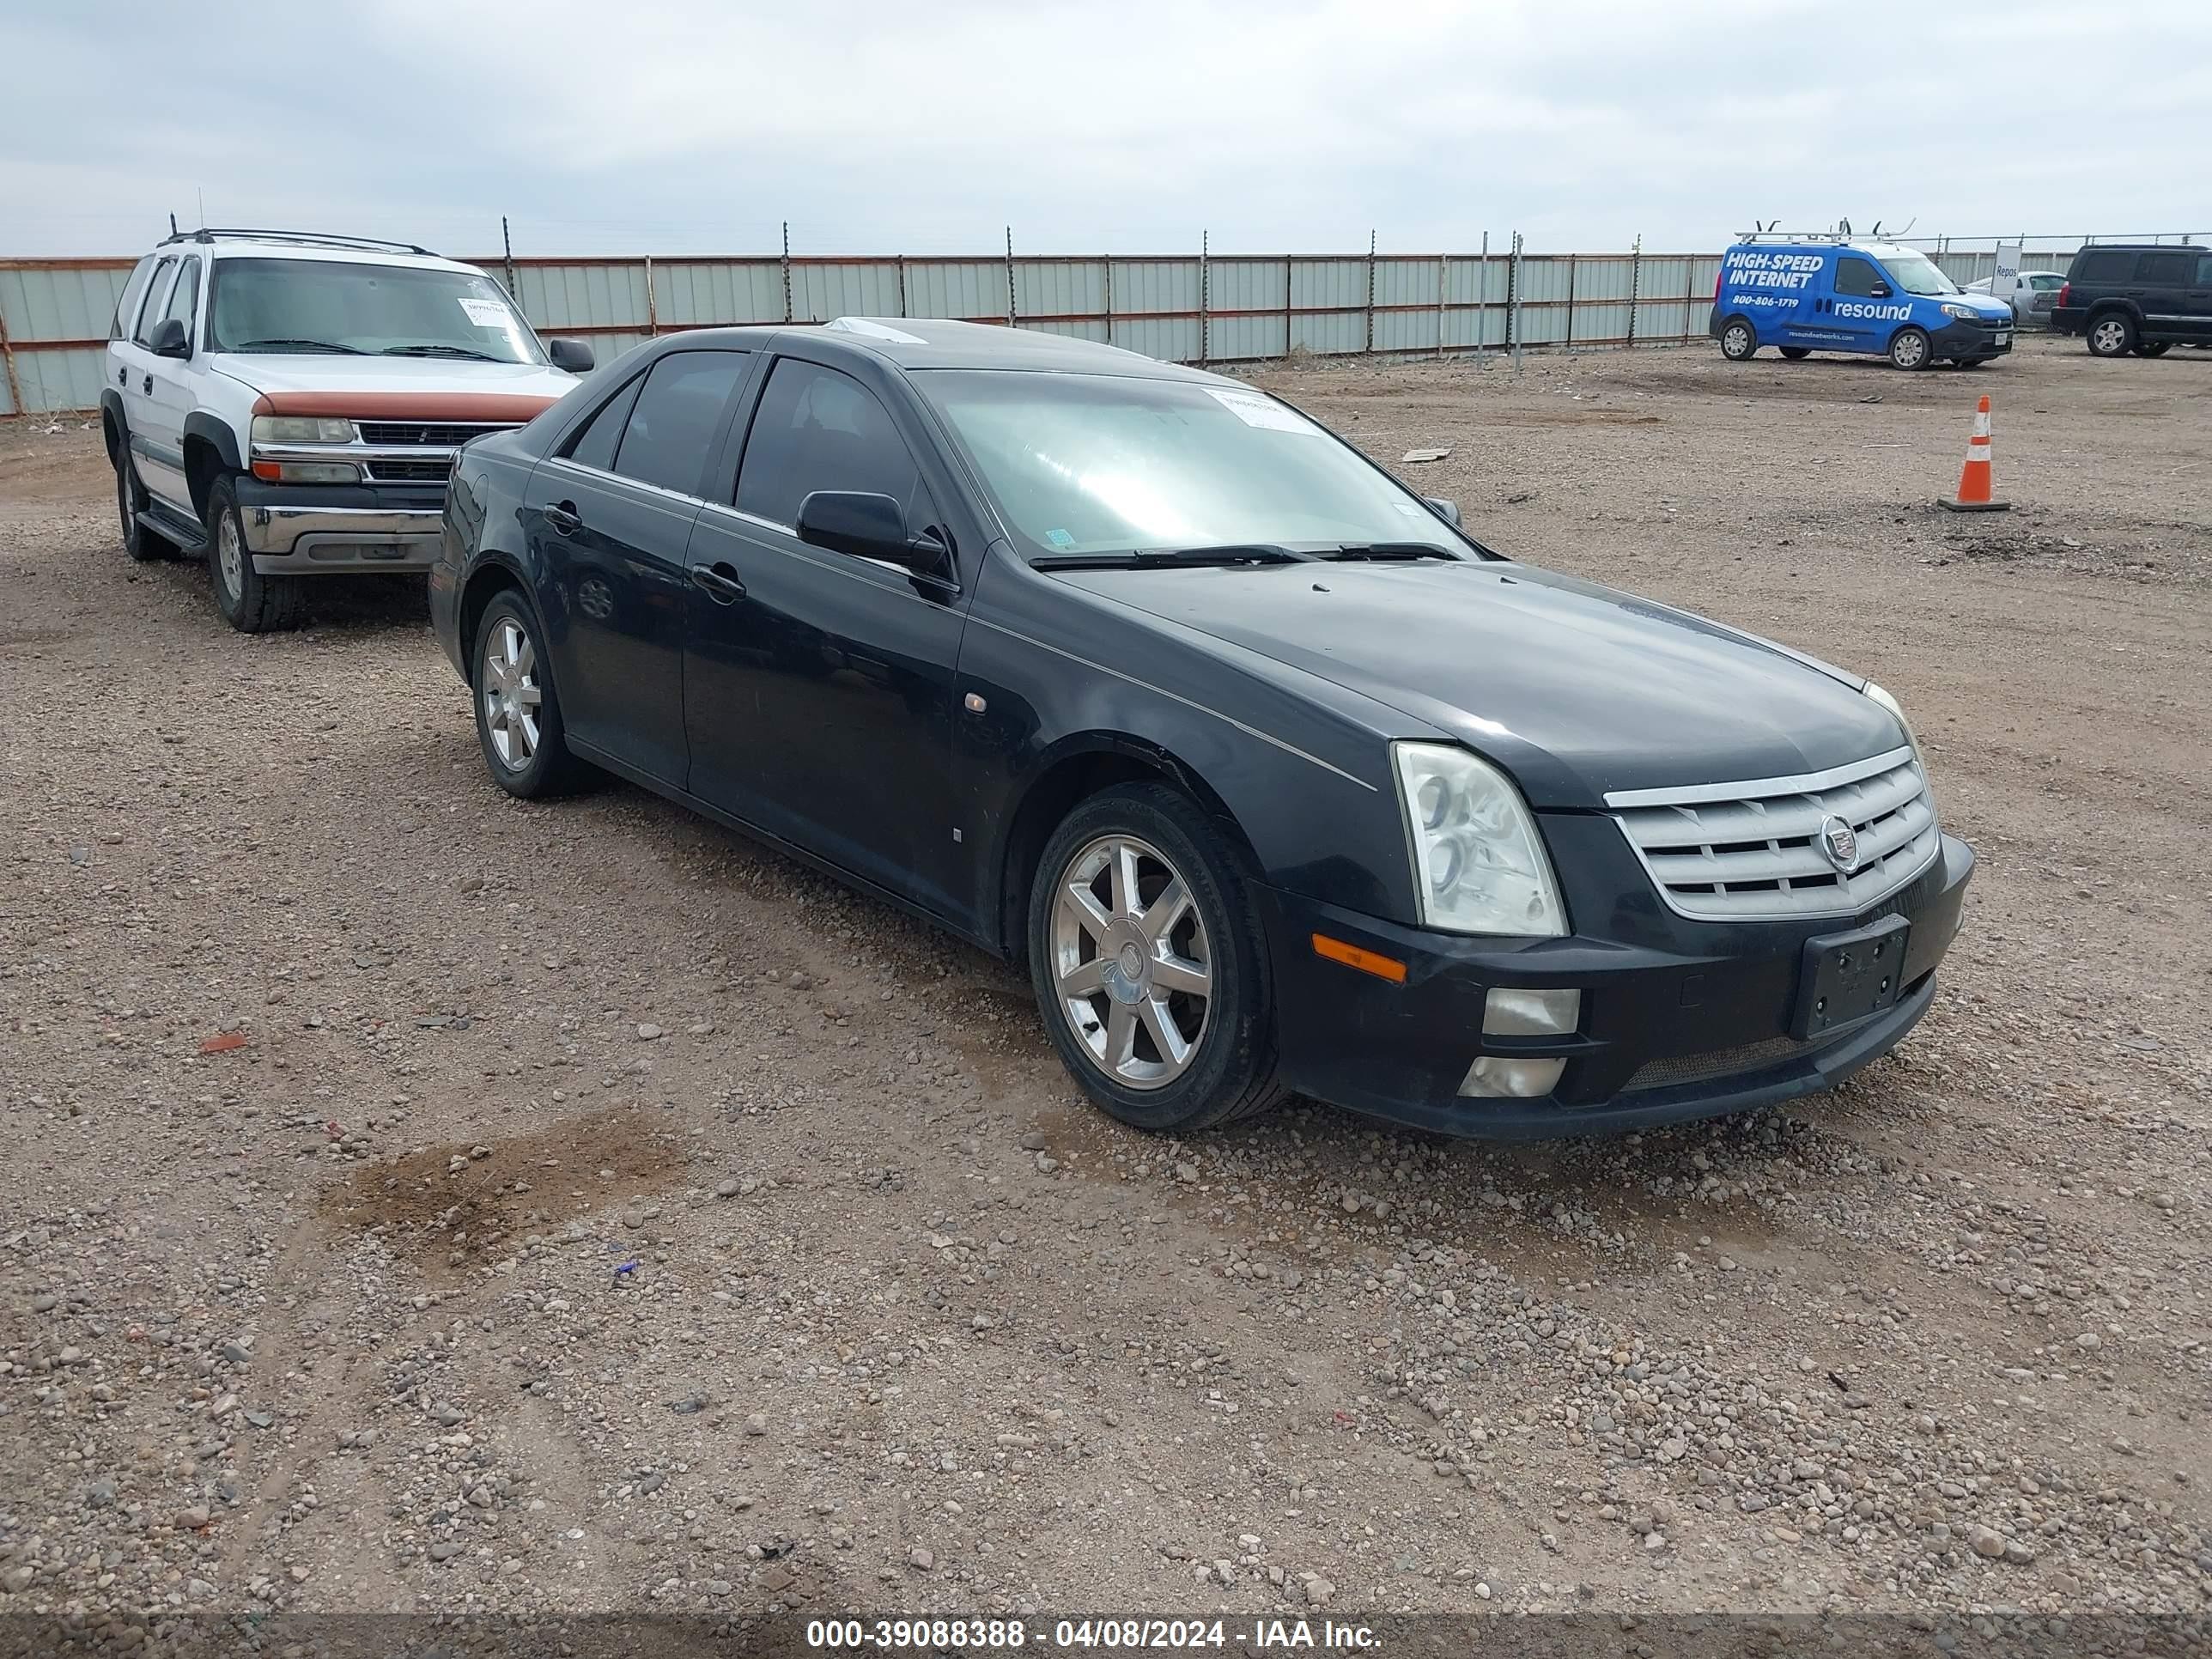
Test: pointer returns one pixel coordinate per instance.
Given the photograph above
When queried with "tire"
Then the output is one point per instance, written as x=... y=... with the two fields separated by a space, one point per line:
x=2154 y=348
x=524 y=743
x=1968 y=362
x=1739 y=340
x=1228 y=1069
x=250 y=602
x=2110 y=334
x=140 y=544
x=1796 y=354
x=1909 y=349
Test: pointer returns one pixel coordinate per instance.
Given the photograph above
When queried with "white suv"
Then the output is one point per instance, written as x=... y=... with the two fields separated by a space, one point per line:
x=290 y=405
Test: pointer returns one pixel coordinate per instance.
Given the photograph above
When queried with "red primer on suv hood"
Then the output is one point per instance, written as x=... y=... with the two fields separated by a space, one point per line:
x=485 y=406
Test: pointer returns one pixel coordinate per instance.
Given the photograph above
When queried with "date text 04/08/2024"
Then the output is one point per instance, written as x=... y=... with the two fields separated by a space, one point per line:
x=1261 y=1637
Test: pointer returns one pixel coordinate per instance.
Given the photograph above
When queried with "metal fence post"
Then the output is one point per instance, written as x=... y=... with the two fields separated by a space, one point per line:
x=1370 y=293
x=1635 y=287
x=1571 y=302
x=15 y=385
x=1289 y=337
x=1013 y=314
x=1689 y=293
x=787 y=271
x=1443 y=273
x=506 y=246
x=1482 y=303
x=1109 y=263
x=652 y=303
x=1205 y=297
x=902 y=279
x=1513 y=282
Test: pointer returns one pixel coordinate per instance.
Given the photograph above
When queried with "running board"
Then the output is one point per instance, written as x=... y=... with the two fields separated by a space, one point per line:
x=174 y=527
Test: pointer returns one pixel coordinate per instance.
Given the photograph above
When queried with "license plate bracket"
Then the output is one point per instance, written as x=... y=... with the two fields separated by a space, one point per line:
x=2004 y=337
x=1847 y=977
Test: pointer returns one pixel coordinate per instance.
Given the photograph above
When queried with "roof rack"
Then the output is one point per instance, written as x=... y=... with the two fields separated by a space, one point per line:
x=231 y=233
x=1799 y=236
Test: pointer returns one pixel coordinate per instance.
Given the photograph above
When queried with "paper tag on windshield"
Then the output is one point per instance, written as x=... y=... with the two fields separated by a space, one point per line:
x=1254 y=409
x=485 y=314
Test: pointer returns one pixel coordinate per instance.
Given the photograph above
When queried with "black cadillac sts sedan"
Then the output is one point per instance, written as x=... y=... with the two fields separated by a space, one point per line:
x=1276 y=780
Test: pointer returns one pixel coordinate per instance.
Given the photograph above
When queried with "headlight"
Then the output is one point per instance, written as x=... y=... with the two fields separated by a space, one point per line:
x=1966 y=311
x=1897 y=709
x=1477 y=861
x=302 y=430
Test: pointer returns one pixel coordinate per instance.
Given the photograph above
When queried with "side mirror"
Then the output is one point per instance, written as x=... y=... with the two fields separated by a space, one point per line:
x=865 y=525
x=1880 y=291
x=572 y=354
x=1448 y=511
x=171 y=339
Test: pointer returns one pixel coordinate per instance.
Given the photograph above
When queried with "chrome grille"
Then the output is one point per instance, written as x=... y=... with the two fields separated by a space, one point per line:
x=445 y=434
x=1756 y=851
x=385 y=470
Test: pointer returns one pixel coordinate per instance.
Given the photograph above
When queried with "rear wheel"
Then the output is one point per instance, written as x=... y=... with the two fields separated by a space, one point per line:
x=250 y=602
x=2154 y=348
x=1793 y=353
x=2111 y=335
x=1909 y=348
x=1149 y=968
x=1738 y=340
x=141 y=544
x=518 y=726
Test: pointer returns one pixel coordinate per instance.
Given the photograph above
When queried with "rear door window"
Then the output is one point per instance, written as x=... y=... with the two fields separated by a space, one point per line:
x=2163 y=270
x=157 y=301
x=1856 y=277
x=820 y=429
x=673 y=421
x=2204 y=270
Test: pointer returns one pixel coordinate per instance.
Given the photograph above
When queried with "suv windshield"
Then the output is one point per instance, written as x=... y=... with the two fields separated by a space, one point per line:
x=1915 y=274
x=332 y=306
x=1099 y=464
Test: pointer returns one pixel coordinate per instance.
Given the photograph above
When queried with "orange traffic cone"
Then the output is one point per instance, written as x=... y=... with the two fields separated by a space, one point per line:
x=1974 y=478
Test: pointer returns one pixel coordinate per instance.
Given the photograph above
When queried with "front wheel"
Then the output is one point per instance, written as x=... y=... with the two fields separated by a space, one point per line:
x=1149 y=967
x=1909 y=348
x=1738 y=340
x=250 y=602
x=1796 y=354
x=2113 y=335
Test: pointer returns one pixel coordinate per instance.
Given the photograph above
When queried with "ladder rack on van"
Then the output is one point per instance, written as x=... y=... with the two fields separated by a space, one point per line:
x=1797 y=236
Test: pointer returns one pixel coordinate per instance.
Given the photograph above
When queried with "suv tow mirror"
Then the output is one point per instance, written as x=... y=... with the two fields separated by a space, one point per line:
x=572 y=354
x=1446 y=510
x=866 y=525
x=171 y=339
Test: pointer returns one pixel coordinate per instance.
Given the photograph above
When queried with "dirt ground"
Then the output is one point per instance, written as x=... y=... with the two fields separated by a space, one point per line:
x=600 y=1212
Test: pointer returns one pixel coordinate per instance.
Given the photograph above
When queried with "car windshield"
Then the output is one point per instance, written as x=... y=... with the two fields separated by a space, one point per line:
x=347 y=308
x=1082 y=463
x=1915 y=274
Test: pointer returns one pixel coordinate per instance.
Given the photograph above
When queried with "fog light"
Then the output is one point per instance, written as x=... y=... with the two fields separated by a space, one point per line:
x=1510 y=1012
x=1523 y=1080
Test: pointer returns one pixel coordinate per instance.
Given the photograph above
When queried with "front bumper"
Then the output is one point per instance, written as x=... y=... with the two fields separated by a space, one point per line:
x=1691 y=1022
x=315 y=529
x=1974 y=341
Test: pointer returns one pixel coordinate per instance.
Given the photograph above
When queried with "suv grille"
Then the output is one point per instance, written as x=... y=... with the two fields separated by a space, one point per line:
x=434 y=471
x=449 y=434
x=1757 y=851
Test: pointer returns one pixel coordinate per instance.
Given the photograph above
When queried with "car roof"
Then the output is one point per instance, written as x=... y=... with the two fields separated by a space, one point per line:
x=279 y=247
x=925 y=343
x=2146 y=247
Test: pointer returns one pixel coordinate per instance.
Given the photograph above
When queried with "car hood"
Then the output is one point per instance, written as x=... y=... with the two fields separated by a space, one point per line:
x=1575 y=689
x=320 y=383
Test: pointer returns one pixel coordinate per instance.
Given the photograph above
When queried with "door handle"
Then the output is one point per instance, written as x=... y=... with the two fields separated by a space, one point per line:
x=123 y=377
x=721 y=582
x=562 y=516
x=148 y=387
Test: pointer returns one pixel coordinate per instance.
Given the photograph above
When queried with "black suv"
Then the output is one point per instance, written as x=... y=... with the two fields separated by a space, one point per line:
x=2140 y=298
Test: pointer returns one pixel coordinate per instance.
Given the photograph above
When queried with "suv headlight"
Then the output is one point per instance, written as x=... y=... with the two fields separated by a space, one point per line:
x=1477 y=861
x=302 y=430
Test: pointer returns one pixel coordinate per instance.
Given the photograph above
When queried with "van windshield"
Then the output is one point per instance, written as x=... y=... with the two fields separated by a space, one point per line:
x=1915 y=274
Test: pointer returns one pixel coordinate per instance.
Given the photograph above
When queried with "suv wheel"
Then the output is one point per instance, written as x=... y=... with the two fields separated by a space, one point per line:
x=519 y=726
x=1150 y=968
x=1738 y=340
x=1909 y=348
x=2113 y=335
x=250 y=602
x=141 y=544
x=2154 y=348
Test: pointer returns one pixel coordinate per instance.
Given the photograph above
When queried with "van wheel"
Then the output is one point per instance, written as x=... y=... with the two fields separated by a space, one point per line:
x=1150 y=966
x=2154 y=348
x=2113 y=335
x=1908 y=349
x=1794 y=353
x=1738 y=340
x=250 y=602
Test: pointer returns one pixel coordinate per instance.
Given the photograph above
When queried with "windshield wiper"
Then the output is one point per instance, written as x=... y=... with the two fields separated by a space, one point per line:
x=1163 y=558
x=300 y=345
x=1386 y=552
x=440 y=351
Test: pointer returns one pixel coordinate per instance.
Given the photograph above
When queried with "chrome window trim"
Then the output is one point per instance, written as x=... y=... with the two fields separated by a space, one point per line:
x=617 y=484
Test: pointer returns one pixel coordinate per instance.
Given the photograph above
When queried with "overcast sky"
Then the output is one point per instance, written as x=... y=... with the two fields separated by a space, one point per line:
x=885 y=126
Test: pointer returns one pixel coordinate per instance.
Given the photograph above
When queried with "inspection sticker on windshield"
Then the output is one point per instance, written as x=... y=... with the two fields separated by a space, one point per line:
x=1254 y=409
x=485 y=314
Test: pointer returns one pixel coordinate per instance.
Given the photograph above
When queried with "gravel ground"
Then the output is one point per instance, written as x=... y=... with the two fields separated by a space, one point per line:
x=416 y=1201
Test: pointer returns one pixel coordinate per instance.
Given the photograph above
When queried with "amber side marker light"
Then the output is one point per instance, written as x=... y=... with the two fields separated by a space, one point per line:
x=1367 y=962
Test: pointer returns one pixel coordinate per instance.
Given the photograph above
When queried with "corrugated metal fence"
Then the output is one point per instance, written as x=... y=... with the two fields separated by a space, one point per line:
x=1215 y=309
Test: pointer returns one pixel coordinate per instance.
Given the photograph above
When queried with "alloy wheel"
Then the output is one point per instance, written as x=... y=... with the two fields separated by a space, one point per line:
x=511 y=694
x=2110 y=338
x=1131 y=961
